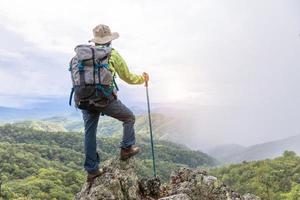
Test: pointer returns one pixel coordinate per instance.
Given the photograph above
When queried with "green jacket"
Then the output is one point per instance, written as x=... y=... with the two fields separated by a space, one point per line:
x=118 y=65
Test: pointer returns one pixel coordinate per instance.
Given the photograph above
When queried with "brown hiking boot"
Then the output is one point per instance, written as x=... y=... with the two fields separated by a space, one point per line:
x=92 y=176
x=129 y=152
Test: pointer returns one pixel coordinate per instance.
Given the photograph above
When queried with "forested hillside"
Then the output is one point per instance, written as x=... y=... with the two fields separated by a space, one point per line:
x=109 y=126
x=271 y=179
x=47 y=165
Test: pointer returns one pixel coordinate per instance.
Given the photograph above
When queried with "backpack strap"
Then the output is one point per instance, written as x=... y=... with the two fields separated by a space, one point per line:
x=96 y=70
x=101 y=64
x=94 y=65
x=81 y=72
x=71 y=96
x=72 y=89
x=114 y=81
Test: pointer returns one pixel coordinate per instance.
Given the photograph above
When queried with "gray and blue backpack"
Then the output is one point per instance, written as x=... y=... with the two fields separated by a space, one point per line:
x=93 y=83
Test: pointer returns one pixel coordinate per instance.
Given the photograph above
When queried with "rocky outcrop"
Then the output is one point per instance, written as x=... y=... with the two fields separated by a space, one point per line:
x=198 y=185
x=120 y=182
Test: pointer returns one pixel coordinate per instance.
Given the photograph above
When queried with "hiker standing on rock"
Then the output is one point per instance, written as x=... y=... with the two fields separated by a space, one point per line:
x=93 y=70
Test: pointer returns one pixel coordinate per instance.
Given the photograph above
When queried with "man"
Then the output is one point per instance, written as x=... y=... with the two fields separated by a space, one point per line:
x=103 y=38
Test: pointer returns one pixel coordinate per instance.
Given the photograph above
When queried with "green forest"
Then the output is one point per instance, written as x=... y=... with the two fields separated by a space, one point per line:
x=270 y=179
x=48 y=165
x=42 y=164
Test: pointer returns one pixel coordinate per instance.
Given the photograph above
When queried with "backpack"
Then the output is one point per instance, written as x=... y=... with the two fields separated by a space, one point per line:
x=93 y=82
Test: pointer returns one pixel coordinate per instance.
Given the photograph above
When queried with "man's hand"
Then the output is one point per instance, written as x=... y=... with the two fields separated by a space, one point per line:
x=146 y=78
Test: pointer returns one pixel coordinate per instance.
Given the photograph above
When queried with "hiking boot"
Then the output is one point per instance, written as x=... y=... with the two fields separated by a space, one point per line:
x=129 y=152
x=92 y=176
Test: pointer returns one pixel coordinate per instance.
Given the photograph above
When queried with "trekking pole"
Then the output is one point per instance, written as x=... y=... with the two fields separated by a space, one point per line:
x=150 y=128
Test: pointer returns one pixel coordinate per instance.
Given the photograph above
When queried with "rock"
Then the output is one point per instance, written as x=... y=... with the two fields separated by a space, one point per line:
x=250 y=197
x=176 y=197
x=150 y=187
x=120 y=182
x=198 y=185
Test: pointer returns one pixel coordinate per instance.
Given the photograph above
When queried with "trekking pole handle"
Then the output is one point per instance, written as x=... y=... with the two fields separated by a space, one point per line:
x=146 y=78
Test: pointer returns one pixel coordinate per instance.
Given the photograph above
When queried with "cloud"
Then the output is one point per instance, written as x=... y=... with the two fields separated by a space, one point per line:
x=214 y=51
x=5 y=55
x=219 y=53
x=27 y=71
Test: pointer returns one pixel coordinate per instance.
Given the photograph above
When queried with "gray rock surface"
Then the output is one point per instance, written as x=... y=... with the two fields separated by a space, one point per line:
x=198 y=185
x=176 y=197
x=150 y=187
x=120 y=182
x=250 y=197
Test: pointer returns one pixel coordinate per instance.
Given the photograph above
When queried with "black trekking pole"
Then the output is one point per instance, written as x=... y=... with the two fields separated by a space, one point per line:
x=150 y=128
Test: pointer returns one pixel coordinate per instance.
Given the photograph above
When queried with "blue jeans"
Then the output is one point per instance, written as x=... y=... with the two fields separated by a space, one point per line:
x=116 y=110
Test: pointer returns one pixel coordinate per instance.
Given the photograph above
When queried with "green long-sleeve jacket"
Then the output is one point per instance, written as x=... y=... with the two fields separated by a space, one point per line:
x=119 y=66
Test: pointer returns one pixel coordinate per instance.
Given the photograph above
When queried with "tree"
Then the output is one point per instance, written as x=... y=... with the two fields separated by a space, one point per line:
x=269 y=179
x=289 y=154
x=294 y=194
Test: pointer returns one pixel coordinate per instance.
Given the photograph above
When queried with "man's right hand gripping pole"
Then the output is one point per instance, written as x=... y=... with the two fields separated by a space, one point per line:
x=146 y=78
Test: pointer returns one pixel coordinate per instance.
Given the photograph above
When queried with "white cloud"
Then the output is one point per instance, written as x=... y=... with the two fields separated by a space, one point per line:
x=6 y=55
x=150 y=40
x=205 y=52
x=211 y=43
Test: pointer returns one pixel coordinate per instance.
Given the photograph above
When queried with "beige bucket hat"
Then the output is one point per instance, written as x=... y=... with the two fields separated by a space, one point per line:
x=103 y=35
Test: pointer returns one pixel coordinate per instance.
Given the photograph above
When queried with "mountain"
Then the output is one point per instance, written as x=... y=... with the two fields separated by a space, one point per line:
x=223 y=152
x=52 y=107
x=237 y=154
x=40 y=126
x=16 y=114
x=39 y=164
x=180 y=123
x=7 y=114
x=162 y=125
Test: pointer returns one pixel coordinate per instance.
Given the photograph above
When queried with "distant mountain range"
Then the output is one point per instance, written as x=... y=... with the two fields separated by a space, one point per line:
x=51 y=108
x=161 y=125
x=224 y=152
x=233 y=153
x=163 y=129
x=168 y=124
x=43 y=109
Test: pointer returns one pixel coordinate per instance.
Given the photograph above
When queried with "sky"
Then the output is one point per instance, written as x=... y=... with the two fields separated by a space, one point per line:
x=233 y=64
